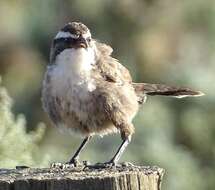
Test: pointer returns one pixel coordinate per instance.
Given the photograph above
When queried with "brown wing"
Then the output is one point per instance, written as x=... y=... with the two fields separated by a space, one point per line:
x=110 y=68
x=115 y=93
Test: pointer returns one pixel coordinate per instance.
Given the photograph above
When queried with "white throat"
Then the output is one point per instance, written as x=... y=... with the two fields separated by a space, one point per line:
x=72 y=68
x=76 y=61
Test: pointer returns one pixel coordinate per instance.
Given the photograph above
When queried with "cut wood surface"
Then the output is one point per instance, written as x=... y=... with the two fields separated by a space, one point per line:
x=82 y=178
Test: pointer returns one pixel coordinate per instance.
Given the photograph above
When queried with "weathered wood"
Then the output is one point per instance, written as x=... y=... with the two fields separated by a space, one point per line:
x=79 y=178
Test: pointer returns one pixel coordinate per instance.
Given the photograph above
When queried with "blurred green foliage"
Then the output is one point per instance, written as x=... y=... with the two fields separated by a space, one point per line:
x=18 y=147
x=161 y=41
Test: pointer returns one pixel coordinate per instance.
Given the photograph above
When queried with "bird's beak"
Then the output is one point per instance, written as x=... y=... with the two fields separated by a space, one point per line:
x=82 y=43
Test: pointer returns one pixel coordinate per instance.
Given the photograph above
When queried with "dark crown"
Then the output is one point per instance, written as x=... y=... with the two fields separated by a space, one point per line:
x=76 y=28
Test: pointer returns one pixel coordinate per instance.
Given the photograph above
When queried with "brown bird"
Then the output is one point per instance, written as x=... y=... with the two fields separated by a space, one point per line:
x=89 y=92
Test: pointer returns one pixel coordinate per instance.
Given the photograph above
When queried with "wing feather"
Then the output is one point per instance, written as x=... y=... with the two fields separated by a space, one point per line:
x=110 y=68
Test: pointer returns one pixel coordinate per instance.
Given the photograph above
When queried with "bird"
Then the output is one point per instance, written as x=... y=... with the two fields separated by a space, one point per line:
x=87 y=91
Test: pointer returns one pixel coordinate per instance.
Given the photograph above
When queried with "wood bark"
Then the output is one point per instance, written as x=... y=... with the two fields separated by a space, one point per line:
x=80 y=178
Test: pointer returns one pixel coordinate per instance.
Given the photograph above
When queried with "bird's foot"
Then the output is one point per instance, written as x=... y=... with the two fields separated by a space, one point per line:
x=74 y=162
x=70 y=164
x=99 y=165
x=58 y=165
x=109 y=164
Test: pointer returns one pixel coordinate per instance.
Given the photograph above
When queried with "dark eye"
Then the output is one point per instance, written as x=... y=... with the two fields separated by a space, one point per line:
x=89 y=39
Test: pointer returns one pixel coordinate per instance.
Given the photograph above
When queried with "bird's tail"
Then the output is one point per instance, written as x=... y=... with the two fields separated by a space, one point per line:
x=164 y=90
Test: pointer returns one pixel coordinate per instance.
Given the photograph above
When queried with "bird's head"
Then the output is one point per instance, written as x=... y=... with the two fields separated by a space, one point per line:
x=72 y=35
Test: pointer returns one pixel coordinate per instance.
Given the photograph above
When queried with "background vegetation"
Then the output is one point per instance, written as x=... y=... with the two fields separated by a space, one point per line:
x=158 y=40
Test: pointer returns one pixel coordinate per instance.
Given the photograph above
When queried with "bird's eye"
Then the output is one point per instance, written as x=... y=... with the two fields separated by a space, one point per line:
x=75 y=36
x=89 y=39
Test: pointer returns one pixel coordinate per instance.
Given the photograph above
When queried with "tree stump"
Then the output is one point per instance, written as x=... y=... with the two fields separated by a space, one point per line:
x=82 y=178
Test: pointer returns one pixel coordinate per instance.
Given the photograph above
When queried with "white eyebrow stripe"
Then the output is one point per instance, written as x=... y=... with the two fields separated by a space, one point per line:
x=62 y=34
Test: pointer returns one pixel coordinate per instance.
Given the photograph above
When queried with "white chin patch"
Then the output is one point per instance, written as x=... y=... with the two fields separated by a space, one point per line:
x=62 y=34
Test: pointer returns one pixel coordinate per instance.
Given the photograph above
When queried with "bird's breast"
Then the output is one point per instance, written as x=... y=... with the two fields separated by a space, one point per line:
x=72 y=105
x=69 y=81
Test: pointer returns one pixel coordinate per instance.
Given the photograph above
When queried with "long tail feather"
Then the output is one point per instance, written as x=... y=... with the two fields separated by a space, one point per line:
x=164 y=90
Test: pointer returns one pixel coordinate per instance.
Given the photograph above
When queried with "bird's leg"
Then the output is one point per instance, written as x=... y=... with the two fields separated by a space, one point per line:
x=74 y=159
x=126 y=130
x=116 y=157
x=120 y=151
